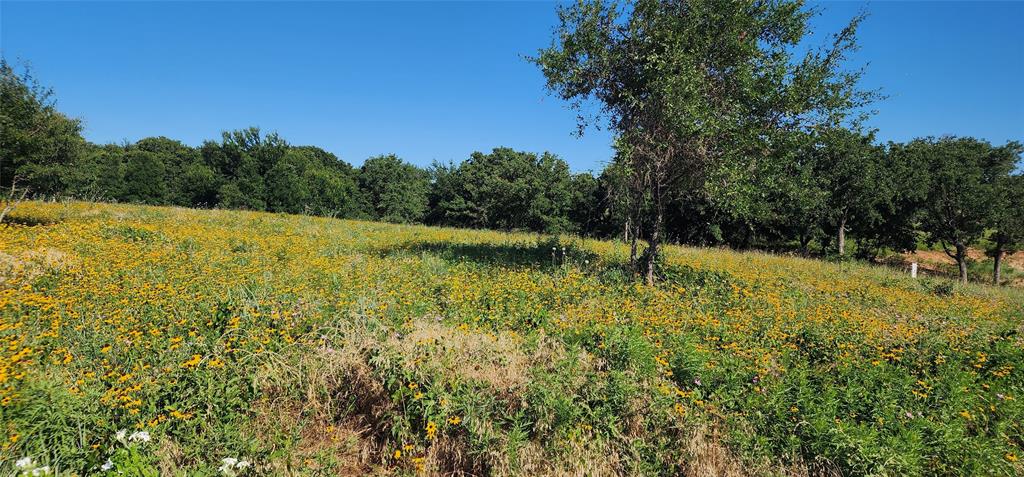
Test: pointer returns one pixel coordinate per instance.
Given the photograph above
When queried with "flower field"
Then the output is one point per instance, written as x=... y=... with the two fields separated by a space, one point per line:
x=164 y=341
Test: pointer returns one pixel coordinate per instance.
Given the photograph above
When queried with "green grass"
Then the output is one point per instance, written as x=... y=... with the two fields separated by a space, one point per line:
x=317 y=346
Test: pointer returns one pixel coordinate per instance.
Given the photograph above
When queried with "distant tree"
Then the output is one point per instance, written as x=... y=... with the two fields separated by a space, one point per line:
x=287 y=188
x=246 y=189
x=177 y=158
x=396 y=191
x=853 y=173
x=198 y=185
x=963 y=174
x=333 y=185
x=585 y=212
x=508 y=190
x=38 y=144
x=1007 y=216
x=903 y=184
x=700 y=93
x=144 y=178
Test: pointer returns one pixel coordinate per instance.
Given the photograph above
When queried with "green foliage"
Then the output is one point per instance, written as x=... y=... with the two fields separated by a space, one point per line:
x=509 y=190
x=38 y=144
x=144 y=178
x=771 y=161
x=396 y=191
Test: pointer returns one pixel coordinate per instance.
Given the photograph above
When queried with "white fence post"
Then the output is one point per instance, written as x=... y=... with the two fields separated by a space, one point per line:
x=913 y=270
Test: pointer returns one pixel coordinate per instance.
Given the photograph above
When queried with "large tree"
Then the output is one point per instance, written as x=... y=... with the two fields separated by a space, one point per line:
x=508 y=190
x=963 y=174
x=1006 y=218
x=38 y=144
x=852 y=171
x=701 y=93
x=396 y=190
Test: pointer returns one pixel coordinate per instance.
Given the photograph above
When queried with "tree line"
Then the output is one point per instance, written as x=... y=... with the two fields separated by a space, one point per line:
x=726 y=140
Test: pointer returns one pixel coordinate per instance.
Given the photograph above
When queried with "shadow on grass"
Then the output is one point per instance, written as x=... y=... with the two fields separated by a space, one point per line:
x=29 y=220
x=551 y=255
x=544 y=254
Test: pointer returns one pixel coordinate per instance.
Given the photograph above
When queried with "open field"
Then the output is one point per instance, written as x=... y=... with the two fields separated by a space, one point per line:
x=305 y=345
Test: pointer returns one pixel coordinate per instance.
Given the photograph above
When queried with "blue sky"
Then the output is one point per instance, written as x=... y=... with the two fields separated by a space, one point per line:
x=437 y=81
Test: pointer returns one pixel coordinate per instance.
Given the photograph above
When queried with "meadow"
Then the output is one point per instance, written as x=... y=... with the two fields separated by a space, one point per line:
x=142 y=340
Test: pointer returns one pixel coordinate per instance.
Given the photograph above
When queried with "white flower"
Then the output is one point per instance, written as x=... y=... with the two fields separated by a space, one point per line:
x=23 y=463
x=41 y=470
x=107 y=465
x=231 y=464
x=142 y=436
x=120 y=435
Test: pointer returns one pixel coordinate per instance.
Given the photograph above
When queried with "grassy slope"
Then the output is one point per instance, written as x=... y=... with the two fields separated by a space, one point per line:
x=307 y=344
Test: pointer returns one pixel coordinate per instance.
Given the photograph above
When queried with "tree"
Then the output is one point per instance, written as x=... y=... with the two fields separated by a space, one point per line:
x=505 y=189
x=287 y=188
x=852 y=170
x=182 y=164
x=963 y=176
x=903 y=183
x=38 y=144
x=700 y=93
x=585 y=213
x=144 y=178
x=333 y=184
x=1007 y=216
x=397 y=191
x=246 y=189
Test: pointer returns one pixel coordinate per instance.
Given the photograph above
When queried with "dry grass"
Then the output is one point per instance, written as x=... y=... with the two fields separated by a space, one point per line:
x=32 y=264
x=496 y=360
x=322 y=404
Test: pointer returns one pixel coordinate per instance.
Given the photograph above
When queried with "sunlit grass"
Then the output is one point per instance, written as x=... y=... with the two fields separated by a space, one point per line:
x=302 y=344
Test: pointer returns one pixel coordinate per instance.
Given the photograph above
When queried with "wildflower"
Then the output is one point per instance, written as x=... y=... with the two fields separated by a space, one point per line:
x=230 y=465
x=23 y=463
x=398 y=454
x=431 y=430
x=1011 y=457
x=139 y=436
x=107 y=465
x=454 y=420
x=120 y=435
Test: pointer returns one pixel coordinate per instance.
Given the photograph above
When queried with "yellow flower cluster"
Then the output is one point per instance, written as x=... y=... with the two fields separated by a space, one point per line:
x=125 y=303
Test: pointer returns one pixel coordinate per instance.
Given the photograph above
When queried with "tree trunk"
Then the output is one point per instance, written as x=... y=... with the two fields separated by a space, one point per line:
x=997 y=268
x=632 y=248
x=652 y=247
x=842 y=235
x=961 y=261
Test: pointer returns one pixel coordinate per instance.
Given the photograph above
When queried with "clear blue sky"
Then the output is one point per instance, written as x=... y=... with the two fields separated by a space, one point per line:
x=437 y=81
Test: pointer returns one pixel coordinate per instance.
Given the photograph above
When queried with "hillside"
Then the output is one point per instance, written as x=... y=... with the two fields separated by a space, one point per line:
x=303 y=345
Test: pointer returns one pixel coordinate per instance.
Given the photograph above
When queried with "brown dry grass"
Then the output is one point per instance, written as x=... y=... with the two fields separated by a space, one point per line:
x=327 y=401
x=321 y=403
x=32 y=264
